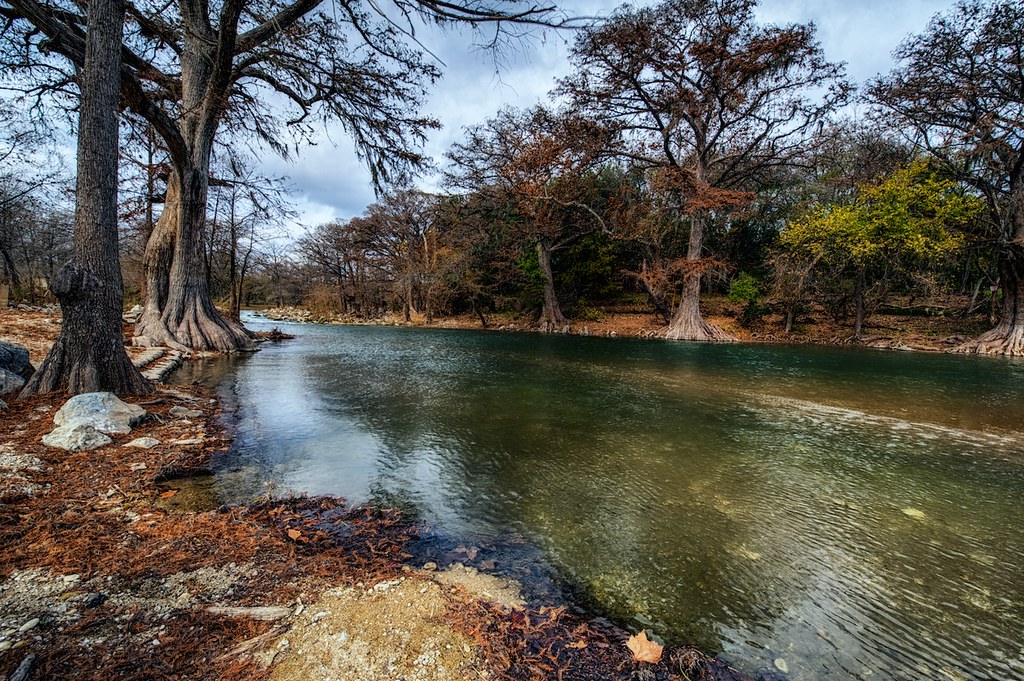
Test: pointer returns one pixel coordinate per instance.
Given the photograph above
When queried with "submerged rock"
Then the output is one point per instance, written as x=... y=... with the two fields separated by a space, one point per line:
x=102 y=411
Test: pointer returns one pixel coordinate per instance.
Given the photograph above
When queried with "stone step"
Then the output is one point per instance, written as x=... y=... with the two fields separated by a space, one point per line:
x=160 y=369
x=148 y=357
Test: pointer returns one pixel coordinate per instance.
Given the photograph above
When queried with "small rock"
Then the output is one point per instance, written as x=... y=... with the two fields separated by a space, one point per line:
x=71 y=579
x=318 y=616
x=138 y=466
x=94 y=600
x=781 y=665
x=430 y=566
x=10 y=382
x=15 y=360
x=184 y=412
x=3 y=405
x=28 y=626
x=143 y=443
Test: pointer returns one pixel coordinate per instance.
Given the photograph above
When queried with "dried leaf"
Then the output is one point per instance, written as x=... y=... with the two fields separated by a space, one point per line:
x=168 y=494
x=578 y=645
x=643 y=649
x=294 y=534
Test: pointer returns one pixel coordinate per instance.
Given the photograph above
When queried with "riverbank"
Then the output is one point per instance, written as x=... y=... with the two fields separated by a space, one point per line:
x=925 y=329
x=110 y=571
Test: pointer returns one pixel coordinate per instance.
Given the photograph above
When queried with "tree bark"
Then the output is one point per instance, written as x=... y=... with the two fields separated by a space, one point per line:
x=187 y=319
x=687 y=322
x=89 y=354
x=1007 y=338
x=858 y=302
x=179 y=311
x=551 y=317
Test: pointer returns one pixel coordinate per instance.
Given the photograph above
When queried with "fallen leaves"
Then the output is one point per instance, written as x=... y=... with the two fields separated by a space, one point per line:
x=643 y=649
x=294 y=535
x=168 y=494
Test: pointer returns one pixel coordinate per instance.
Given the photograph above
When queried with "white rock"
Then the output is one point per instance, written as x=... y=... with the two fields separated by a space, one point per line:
x=103 y=411
x=143 y=443
x=77 y=437
x=29 y=626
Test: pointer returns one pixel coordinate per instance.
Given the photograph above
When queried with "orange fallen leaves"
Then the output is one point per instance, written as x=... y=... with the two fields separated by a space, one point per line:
x=168 y=494
x=294 y=534
x=644 y=650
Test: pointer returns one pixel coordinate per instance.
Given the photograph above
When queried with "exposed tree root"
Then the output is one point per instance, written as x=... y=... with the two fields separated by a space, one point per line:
x=196 y=329
x=703 y=332
x=1002 y=340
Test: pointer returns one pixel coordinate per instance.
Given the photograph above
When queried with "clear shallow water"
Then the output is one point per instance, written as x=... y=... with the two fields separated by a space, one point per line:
x=856 y=514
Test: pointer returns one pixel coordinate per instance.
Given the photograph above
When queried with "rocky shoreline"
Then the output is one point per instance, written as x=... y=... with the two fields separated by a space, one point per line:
x=106 y=573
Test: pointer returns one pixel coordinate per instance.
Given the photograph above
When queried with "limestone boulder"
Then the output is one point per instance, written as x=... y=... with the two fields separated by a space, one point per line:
x=103 y=412
x=75 y=437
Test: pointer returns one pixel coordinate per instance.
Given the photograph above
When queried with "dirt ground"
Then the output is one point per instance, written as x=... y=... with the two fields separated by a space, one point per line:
x=107 y=570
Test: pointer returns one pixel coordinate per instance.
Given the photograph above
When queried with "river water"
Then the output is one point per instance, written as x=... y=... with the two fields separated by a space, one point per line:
x=835 y=513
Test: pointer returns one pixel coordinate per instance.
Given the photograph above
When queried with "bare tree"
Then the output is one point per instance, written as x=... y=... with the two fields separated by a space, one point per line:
x=193 y=67
x=959 y=89
x=540 y=160
x=89 y=353
x=708 y=99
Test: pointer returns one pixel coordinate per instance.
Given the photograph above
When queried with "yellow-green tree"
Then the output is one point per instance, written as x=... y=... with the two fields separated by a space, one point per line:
x=909 y=222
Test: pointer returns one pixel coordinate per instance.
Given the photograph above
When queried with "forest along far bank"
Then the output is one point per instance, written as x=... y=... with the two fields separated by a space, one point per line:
x=904 y=324
x=111 y=567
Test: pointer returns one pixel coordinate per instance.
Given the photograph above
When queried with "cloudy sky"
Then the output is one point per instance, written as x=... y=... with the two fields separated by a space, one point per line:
x=329 y=183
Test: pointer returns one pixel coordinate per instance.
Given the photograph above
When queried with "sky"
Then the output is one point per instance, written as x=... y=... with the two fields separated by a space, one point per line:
x=329 y=183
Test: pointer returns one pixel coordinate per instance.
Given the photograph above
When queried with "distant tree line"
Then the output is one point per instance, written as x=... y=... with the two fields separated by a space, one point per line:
x=693 y=151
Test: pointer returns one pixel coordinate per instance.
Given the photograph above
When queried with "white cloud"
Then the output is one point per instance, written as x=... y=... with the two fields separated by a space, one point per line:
x=330 y=183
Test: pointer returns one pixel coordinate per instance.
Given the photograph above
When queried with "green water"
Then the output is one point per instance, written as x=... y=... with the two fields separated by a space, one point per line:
x=855 y=514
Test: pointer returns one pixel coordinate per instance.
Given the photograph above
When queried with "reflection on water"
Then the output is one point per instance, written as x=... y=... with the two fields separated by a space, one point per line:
x=856 y=514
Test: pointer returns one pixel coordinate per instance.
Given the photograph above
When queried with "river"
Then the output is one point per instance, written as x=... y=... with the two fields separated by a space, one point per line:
x=834 y=513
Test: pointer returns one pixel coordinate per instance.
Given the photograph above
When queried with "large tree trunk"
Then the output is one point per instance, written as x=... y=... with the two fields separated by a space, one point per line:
x=1007 y=338
x=156 y=270
x=179 y=312
x=551 y=317
x=858 y=303
x=89 y=354
x=687 y=322
x=189 y=316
